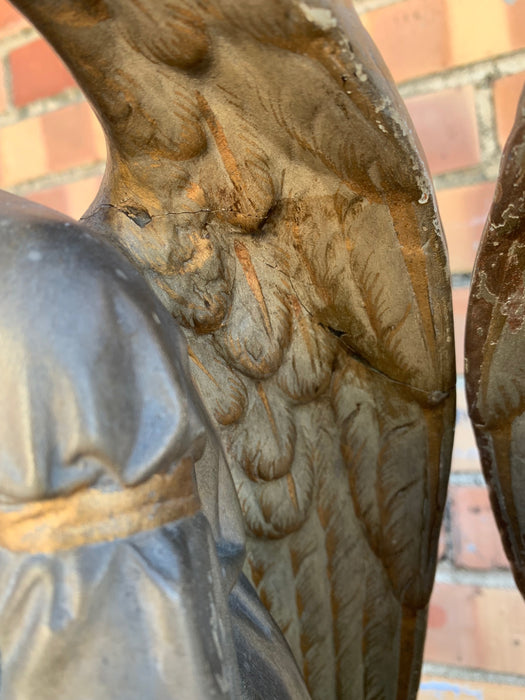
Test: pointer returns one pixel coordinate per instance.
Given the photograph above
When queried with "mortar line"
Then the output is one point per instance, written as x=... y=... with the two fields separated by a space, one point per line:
x=476 y=675
x=363 y=6
x=500 y=579
x=477 y=72
x=15 y=115
x=8 y=85
x=467 y=479
x=487 y=127
x=65 y=177
x=483 y=172
x=20 y=38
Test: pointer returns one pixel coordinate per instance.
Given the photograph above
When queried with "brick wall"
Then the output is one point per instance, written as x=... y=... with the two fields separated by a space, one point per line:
x=52 y=148
x=460 y=65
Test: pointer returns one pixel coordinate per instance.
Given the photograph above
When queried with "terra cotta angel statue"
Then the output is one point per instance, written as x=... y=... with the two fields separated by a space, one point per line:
x=264 y=177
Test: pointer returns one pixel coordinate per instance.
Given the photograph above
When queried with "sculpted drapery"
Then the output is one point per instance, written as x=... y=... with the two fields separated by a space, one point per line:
x=119 y=576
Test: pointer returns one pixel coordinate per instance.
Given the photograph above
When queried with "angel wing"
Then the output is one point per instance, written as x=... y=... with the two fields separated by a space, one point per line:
x=495 y=348
x=264 y=176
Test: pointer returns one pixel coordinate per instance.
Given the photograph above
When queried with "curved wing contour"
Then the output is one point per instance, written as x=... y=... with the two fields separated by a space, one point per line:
x=495 y=349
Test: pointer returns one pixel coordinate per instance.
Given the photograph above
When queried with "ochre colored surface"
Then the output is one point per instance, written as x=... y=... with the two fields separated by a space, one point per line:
x=90 y=515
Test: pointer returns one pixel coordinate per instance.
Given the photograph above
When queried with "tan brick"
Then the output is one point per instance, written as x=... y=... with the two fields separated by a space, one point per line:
x=10 y=19
x=435 y=688
x=418 y=37
x=476 y=543
x=80 y=195
x=447 y=127
x=412 y=37
x=465 y=456
x=480 y=628
x=480 y=31
x=506 y=95
x=53 y=142
x=72 y=199
x=99 y=138
x=37 y=72
x=23 y=154
x=464 y=211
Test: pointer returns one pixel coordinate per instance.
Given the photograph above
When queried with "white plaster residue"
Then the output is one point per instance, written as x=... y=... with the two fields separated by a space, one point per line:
x=425 y=194
x=360 y=72
x=34 y=255
x=320 y=16
x=383 y=105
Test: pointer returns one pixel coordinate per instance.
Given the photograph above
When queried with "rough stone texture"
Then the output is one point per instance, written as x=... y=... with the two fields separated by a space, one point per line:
x=264 y=176
x=495 y=348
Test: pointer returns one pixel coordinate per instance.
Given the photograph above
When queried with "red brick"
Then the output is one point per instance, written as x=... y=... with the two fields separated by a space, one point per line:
x=411 y=36
x=506 y=95
x=37 y=72
x=53 y=197
x=446 y=125
x=53 y=142
x=22 y=152
x=418 y=37
x=10 y=19
x=464 y=212
x=72 y=137
x=72 y=199
x=476 y=543
x=435 y=688
x=481 y=628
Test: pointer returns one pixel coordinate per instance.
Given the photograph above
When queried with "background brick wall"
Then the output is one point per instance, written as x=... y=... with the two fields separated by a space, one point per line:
x=52 y=148
x=460 y=65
